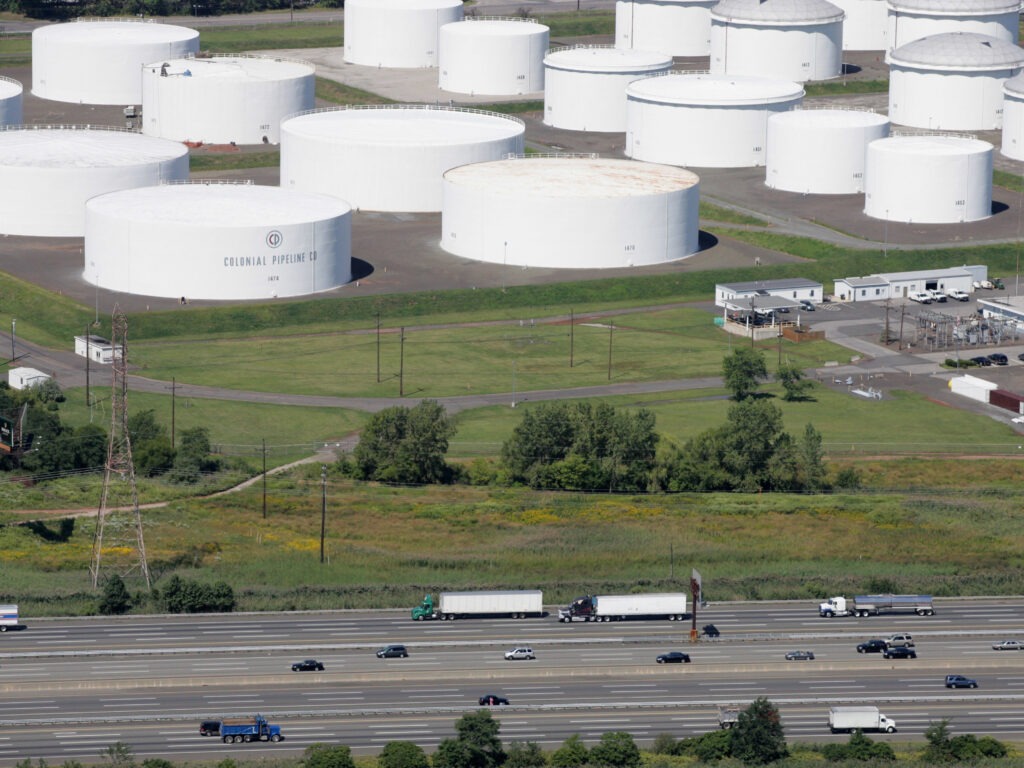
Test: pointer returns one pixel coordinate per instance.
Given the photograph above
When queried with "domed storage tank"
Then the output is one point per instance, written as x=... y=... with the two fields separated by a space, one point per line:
x=585 y=86
x=866 y=24
x=390 y=158
x=396 y=33
x=796 y=40
x=217 y=241
x=704 y=120
x=821 y=151
x=224 y=99
x=581 y=212
x=952 y=81
x=910 y=20
x=48 y=172
x=672 y=27
x=99 y=62
x=493 y=56
x=929 y=179
x=1013 y=118
x=10 y=101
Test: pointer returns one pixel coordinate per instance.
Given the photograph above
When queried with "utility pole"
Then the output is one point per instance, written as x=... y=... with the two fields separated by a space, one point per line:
x=401 y=362
x=572 y=336
x=903 y=311
x=378 y=347
x=174 y=391
x=88 y=402
x=264 y=478
x=323 y=509
x=611 y=331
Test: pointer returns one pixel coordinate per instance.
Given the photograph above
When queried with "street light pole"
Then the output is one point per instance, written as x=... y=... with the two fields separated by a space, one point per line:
x=13 y=324
x=323 y=509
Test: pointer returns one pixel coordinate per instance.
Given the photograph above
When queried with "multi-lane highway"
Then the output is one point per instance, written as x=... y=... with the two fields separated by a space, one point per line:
x=71 y=687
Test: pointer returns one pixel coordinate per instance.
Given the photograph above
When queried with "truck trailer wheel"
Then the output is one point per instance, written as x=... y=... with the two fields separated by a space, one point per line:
x=226 y=739
x=275 y=738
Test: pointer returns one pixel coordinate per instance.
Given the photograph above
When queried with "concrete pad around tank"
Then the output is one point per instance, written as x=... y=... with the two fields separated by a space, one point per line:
x=408 y=86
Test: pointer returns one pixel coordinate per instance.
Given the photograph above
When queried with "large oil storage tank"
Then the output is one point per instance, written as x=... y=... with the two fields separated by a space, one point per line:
x=953 y=81
x=48 y=172
x=585 y=85
x=910 y=20
x=396 y=33
x=673 y=27
x=204 y=240
x=796 y=40
x=821 y=151
x=100 y=62
x=11 y=101
x=704 y=120
x=390 y=158
x=929 y=179
x=224 y=99
x=493 y=56
x=866 y=24
x=580 y=212
x=1013 y=118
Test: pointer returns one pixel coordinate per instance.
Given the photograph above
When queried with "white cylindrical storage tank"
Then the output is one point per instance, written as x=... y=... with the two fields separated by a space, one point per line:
x=390 y=158
x=100 y=62
x=703 y=120
x=48 y=172
x=821 y=151
x=493 y=56
x=928 y=179
x=673 y=27
x=585 y=86
x=910 y=20
x=796 y=40
x=224 y=99
x=580 y=212
x=396 y=33
x=866 y=25
x=953 y=81
x=217 y=241
x=10 y=101
x=1013 y=118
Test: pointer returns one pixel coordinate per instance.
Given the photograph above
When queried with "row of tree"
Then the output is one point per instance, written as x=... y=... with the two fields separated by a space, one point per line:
x=57 y=10
x=596 y=447
x=177 y=596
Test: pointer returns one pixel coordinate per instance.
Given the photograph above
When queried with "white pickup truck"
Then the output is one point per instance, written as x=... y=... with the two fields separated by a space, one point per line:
x=920 y=297
x=959 y=295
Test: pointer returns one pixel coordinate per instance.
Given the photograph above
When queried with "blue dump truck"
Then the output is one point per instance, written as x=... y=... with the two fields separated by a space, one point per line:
x=255 y=728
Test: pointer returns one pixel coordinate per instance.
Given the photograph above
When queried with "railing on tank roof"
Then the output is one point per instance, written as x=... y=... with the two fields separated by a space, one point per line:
x=121 y=19
x=677 y=72
x=66 y=127
x=502 y=18
x=547 y=155
x=946 y=134
x=425 y=107
x=12 y=80
x=208 y=182
x=826 y=107
x=202 y=56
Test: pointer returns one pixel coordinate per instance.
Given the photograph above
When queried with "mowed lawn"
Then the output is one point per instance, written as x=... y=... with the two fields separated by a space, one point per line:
x=642 y=346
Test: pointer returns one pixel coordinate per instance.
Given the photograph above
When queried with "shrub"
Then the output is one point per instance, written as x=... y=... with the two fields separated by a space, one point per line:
x=115 y=600
x=327 y=756
x=402 y=754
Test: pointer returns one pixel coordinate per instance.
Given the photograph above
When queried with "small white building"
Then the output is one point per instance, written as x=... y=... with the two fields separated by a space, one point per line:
x=96 y=348
x=795 y=289
x=23 y=378
x=1010 y=308
x=898 y=285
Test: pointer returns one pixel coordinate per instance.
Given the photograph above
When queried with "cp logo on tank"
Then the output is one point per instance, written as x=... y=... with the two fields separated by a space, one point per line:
x=274 y=239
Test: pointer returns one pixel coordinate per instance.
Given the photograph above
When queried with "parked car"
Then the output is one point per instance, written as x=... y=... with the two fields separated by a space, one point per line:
x=806 y=305
x=872 y=646
x=987 y=284
x=392 y=652
x=209 y=728
x=521 y=652
x=959 y=295
x=937 y=296
x=490 y=699
x=1021 y=357
x=800 y=656
x=998 y=358
x=981 y=360
x=1008 y=645
x=309 y=665
x=782 y=310
x=959 y=681
x=896 y=641
x=920 y=297
x=899 y=652
x=673 y=657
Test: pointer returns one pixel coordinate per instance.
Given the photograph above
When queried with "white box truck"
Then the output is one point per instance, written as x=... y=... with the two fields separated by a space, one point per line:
x=8 y=617
x=847 y=719
x=662 y=605
x=517 y=604
x=872 y=605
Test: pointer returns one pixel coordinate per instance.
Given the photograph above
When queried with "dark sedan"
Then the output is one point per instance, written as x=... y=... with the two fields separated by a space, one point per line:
x=800 y=656
x=900 y=652
x=309 y=665
x=491 y=700
x=673 y=657
x=872 y=646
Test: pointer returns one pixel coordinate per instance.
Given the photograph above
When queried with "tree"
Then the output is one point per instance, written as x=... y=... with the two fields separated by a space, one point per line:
x=157 y=762
x=757 y=737
x=405 y=445
x=939 y=749
x=115 y=600
x=478 y=730
x=572 y=754
x=452 y=753
x=524 y=755
x=152 y=451
x=791 y=376
x=812 y=474
x=327 y=756
x=192 y=458
x=119 y=755
x=616 y=750
x=860 y=748
x=742 y=372
x=403 y=754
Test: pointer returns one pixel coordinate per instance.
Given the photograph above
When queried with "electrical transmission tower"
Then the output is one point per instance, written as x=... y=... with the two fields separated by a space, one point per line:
x=118 y=545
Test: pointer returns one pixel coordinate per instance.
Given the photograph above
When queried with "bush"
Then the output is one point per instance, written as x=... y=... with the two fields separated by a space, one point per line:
x=115 y=600
x=187 y=596
x=616 y=750
x=402 y=754
x=327 y=756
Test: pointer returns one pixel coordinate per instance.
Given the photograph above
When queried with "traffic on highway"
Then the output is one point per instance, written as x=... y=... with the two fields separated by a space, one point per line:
x=73 y=686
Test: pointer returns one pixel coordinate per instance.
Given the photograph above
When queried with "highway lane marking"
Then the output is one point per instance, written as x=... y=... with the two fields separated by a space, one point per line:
x=65 y=642
x=436 y=690
x=602 y=720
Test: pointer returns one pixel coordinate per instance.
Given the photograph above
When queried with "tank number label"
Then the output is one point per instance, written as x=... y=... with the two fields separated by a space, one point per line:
x=960 y=202
x=273 y=279
x=757 y=149
x=630 y=248
x=520 y=77
x=265 y=127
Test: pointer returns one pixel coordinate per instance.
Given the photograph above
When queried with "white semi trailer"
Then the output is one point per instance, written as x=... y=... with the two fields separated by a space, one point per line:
x=872 y=605
x=8 y=617
x=847 y=719
x=663 y=605
x=517 y=604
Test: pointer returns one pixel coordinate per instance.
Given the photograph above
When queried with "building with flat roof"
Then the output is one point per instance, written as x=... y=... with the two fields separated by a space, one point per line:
x=793 y=289
x=899 y=285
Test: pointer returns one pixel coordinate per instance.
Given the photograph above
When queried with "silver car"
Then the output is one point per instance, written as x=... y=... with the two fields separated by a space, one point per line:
x=1008 y=645
x=522 y=652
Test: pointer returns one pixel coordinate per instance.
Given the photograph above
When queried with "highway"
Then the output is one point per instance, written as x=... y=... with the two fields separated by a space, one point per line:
x=71 y=687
